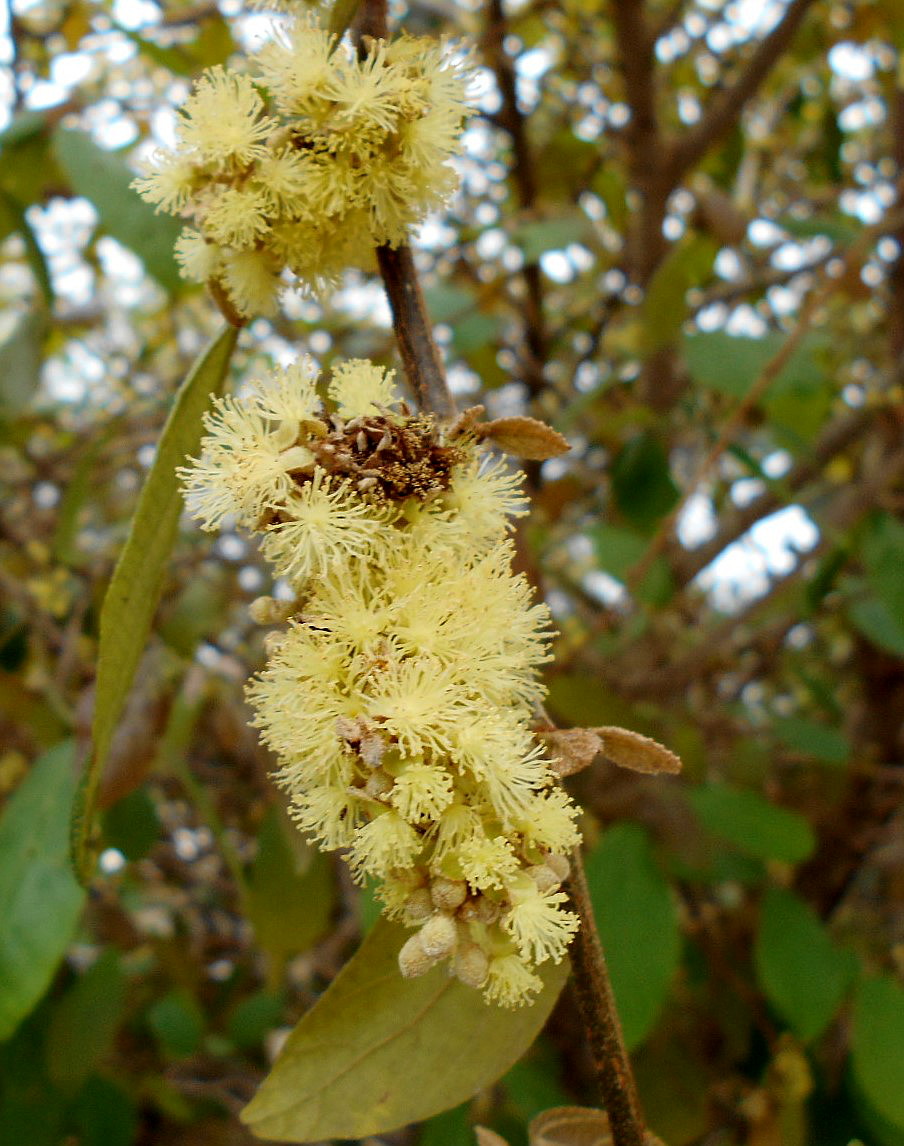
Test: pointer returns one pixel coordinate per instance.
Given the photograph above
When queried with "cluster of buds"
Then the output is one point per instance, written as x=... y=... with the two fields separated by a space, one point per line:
x=399 y=696
x=351 y=152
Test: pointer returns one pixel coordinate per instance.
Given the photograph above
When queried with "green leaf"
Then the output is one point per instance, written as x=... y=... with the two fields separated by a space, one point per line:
x=378 y=1051
x=39 y=899
x=84 y=1023
x=474 y=331
x=813 y=739
x=104 y=179
x=871 y=617
x=13 y=218
x=878 y=1046
x=753 y=824
x=536 y=238
x=664 y=308
x=105 y=1115
x=177 y=1023
x=20 y=363
x=883 y=555
x=642 y=482
x=290 y=891
x=253 y=1019
x=802 y=972
x=447 y=302
x=638 y=924
x=132 y=825
x=137 y=581
x=837 y=227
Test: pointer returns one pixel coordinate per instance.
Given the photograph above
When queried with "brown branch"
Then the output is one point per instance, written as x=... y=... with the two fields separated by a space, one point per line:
x=420 y=355
x=725 y=109
x=649 y=159
x=598 y=1011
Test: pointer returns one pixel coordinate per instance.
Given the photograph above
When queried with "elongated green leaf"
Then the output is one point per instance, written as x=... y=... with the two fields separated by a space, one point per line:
x=802 y=972
x=878 y=1047
x=752 y=823
x=871 y=617
x=134 y=590
x=883 y=553
x=39 y=899
x=20 y=363
x=638 y=925
x=104 y=179
x=379 y=1051
x=642 y=482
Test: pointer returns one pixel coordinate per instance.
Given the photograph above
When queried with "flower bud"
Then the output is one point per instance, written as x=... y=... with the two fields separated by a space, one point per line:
x=560 y=865
x=544 y=877
x=270 y=611
x=418 y=905
x=379 y=783
x=471 y=965
x=413 y=960
x=448 y=894
x=439 y=936
x=479 y=910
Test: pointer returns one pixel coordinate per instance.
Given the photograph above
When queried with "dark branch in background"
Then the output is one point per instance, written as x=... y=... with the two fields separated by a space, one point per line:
x=511 y=120
x=424 y=369
x=648 y=161
x=725 y=108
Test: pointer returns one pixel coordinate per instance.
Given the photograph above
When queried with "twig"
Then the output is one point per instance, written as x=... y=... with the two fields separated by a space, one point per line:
x=597 y=1005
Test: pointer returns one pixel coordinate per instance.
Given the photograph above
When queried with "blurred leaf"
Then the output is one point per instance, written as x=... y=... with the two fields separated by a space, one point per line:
x=813 y=739
x=474 y=331
x=638 y=924
x=177 y=1023
x=642 y=482
x=664 y=309
x=103 y=178
x=84 y=1023
x=290 y=894
x=13 y=218
x=132 y=825
x=837 y=227
x=672 y=1081
x=451 y=1128
x=105 y=1115
x=341 y=1077
x=253 y=1019
x=533 y=1083
x=878 y=1046
x=872 y=618
x=137 y=580
x=32 y=1110
x=883 y=555
x=21 y=356
x=538 y=237
x=446 y=301
x=341 y=15
x=802 y=972
x=197 y=613
x=753 y=824
x=40 y=900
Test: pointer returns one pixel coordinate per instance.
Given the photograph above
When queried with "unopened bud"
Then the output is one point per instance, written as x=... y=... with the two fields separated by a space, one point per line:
x=471 y=965
x=418 y=905
x=559 y=865
x=544 y=877
x=448 y=894
x=413 y=960
x=479 y=910
x=270 y=611
x=379 y=783
x=438 y=936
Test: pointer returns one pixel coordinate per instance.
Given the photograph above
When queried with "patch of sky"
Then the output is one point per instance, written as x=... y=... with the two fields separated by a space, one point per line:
x=772 y=548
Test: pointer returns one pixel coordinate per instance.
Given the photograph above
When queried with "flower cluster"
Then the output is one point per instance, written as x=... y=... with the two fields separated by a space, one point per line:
x=351 y=153
x=399 y=698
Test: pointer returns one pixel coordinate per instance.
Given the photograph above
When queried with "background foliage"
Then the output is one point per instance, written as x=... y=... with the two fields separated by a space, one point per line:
x=678 y=240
